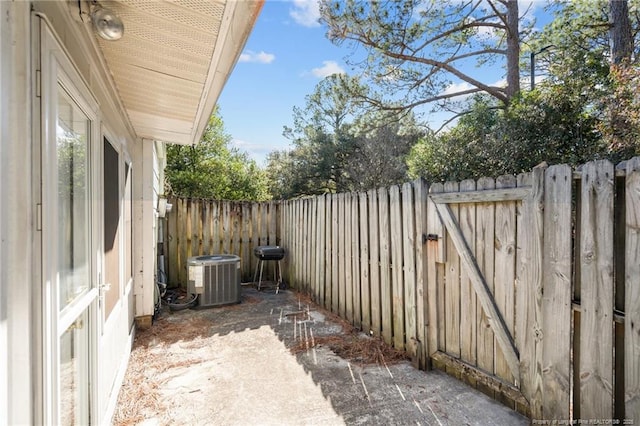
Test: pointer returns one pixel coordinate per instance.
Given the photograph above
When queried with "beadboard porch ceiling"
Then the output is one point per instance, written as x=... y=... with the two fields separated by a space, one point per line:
x=174 y=59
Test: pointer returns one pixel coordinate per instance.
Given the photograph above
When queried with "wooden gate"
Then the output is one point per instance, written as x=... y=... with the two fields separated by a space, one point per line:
x=477 y=232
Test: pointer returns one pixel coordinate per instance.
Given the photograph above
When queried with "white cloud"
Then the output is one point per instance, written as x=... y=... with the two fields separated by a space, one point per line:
x=306 y=12
x=500 y=83
x=488 y=33
x=456 y=87
x=530 y=5
x=259 y=57
x=256 y=151
x=328 y=68
x=463 y=85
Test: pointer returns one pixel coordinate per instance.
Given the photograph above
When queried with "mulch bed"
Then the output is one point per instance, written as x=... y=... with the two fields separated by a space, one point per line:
x=352 y=344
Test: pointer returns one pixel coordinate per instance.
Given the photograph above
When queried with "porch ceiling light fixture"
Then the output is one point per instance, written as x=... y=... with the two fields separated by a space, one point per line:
x=107 y=24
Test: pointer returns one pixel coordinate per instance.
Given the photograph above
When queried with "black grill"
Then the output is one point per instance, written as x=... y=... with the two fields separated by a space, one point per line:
x=269 y=252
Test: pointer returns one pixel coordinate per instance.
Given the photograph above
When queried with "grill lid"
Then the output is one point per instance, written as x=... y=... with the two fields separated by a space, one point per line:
x=269 y=252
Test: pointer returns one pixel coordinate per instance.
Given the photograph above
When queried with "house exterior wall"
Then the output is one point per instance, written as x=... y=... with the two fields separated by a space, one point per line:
x=16 y=217
x=22 y=323
x=145 y=235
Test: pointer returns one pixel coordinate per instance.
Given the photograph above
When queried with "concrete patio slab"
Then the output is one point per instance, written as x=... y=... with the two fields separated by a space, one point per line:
x=234 y=366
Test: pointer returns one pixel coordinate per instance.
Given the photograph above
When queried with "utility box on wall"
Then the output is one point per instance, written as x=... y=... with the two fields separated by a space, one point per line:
x=215 y=279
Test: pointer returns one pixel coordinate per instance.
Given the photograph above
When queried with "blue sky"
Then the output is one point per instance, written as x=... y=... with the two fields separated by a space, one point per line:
x=286 y=55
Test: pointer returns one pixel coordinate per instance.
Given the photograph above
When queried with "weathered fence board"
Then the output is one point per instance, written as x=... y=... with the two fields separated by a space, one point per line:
x=556 y=300
x=397 y=281
x=246 y=253
x=452 y=276
x=422 y=314
x=319 y=251
x=468 y=323
x=335 y=238
x=529 y=280
x=435 y=234
x=348 y=271
x=328 y=295
x=374 y=263
x=385 y=264
x=485 y=213
x=355 y=262
x=365 y=283
x=342 y=278
x=596 y=265
x=304 y=247
x=505 y=251
x=632 y=291
x=409 y=270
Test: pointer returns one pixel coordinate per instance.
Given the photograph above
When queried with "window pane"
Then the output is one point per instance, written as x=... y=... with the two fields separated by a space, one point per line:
x=111 y=177
x=74 y=373
x=72 y=135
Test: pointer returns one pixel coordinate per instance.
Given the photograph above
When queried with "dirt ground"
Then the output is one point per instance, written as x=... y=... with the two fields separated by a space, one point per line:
x=279 y=359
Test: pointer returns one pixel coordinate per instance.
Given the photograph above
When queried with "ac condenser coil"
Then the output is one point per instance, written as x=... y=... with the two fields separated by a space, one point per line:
x=215 y=279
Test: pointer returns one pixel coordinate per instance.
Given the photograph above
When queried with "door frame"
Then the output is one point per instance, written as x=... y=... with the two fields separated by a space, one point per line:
x=57 y=69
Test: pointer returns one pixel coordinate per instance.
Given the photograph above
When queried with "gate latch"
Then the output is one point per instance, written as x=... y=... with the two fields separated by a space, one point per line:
x=429 y=237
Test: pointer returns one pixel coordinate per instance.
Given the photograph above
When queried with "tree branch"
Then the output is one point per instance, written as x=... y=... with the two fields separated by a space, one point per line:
x=476 y=23
x=502 y=16
x=380 y=105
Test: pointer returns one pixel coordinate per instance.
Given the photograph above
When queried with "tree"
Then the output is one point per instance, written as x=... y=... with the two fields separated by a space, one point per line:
x=213 y=169
x=620 y=32
x=332 y=152
x=594 y=58
x=537 y=126
x=321 y=139
x=621 y=129
x=416 y=49
x=380 y=155
x=468 y=150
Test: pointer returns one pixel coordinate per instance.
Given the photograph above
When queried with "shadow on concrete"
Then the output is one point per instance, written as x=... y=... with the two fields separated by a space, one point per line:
x=234 y=365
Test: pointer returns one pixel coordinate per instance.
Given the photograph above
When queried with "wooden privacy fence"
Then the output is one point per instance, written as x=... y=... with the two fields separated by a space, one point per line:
x=527 y=287
x=201 y=227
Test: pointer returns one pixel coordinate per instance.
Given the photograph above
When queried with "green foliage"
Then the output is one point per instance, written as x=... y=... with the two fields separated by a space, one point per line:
x=379 y=158
x=331 y=151
x=468 y=150
x=621 y=128
x=314 y=166
x=489 y=141
x=212 y=169
x=580 y=71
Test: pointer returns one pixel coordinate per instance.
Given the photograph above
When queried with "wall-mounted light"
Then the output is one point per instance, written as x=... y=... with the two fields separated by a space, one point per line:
x=107 y=24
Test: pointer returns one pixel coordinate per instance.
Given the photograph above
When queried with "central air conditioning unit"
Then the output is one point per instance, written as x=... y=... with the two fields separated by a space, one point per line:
x=215 y=279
